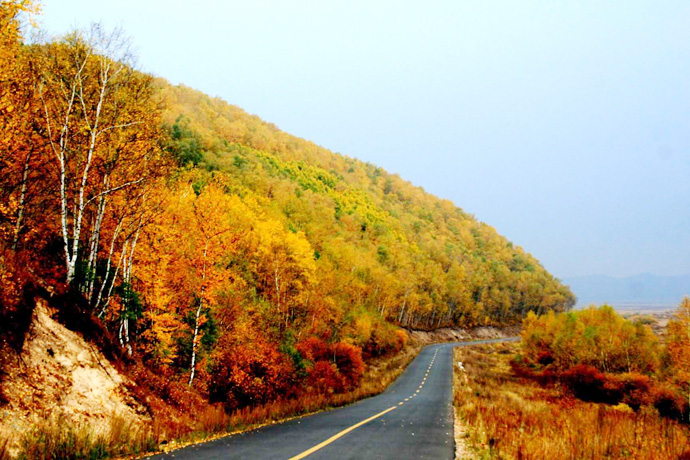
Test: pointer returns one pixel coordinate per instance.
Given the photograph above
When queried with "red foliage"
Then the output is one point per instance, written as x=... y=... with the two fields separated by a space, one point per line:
x=323 y=377
x=313 y=349
x=587 y=383
x=634 y=389
x=348 y=359
x=545 y=377
x=545 y=357
x=669 y=403
x=252 y=374
x=16 y=300
x=162 y=384
x=337 y=367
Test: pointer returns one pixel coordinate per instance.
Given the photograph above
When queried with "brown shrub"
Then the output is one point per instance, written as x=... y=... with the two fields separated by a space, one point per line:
x=669 y=403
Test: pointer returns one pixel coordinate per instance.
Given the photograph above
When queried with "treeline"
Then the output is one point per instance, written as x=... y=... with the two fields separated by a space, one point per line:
x=601 y=357
x=225 y=254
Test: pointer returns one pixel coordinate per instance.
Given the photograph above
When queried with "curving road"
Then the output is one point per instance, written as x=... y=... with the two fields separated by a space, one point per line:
x=412 y=419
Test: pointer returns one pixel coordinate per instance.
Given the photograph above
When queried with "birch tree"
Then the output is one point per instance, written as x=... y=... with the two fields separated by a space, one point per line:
x=100 y=122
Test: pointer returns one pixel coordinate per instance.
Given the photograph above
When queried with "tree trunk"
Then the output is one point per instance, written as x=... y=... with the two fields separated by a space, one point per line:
x=198 y=314
x=22 y=203
x=108 y=265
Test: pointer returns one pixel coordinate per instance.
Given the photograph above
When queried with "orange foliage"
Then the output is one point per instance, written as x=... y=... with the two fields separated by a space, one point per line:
x=249 y=374
x=348 y=360
x=598 y=356
x=509 y=417
x=337 y=367
x=598 y=337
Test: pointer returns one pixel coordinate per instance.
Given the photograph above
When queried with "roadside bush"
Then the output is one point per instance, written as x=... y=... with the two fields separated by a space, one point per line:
x=323 y=377
x=164 y=386
x=588 y=384
x=385 y=339
x=313 y=349
x=598 y=337
x=350 y=365
x=521 y=369
x=250 y=374
x=634 y=389
x=335 y=367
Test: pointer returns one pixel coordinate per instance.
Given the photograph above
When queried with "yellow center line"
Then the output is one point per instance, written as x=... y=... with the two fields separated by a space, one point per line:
x=340 y=435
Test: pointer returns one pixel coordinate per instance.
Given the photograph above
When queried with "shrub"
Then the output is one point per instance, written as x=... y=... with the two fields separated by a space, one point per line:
x=635 y=389
x=669 y=403
x=385 y=339
x=250 y=374
x=163 y=385
x=598 y=337
x=588 y=384
x=313 y=349
x=323 y=377
x=348 y=360
x=337 y=367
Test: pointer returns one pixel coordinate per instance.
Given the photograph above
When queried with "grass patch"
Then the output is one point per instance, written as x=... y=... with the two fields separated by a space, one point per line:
x=508 y=417
x=57 y=438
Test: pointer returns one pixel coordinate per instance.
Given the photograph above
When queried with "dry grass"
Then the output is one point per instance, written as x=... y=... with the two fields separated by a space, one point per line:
x=512 y=418
x=57 y=437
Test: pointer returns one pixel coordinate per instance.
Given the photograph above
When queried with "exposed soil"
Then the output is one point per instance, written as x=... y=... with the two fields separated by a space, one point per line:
x=455 y=334
x=58 y=374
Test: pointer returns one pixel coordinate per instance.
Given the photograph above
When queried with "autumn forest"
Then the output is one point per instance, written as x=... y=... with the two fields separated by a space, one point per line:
x=225 y=260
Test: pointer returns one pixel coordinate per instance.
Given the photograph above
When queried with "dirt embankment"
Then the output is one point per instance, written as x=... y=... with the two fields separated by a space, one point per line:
x=456 y=334
x=59 y=375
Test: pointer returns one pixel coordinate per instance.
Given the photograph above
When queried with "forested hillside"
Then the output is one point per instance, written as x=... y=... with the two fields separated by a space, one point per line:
x=415 y=259
x=220 y=252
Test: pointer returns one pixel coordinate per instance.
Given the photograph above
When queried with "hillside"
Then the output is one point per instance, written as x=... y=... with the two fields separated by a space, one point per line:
x=446 y=267
x=231 y=265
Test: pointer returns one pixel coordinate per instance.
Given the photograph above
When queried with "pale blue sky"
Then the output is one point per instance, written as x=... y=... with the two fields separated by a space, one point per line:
x=565 y=125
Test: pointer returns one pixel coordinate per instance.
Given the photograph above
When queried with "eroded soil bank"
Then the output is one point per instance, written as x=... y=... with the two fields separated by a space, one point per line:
x=60 y=376
x=456 y=334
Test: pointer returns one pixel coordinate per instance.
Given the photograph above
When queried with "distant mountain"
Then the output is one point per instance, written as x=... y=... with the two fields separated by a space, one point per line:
x=644 y=288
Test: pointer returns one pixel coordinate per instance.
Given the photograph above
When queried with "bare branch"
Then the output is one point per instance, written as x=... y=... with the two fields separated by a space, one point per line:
x=114 y=189
x=124 y=125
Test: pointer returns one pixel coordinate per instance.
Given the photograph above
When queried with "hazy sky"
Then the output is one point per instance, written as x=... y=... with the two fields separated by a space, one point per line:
x=565 y=125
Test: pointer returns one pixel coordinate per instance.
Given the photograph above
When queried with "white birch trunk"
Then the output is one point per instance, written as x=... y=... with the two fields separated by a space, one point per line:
x=198 y=314
x=108 y=265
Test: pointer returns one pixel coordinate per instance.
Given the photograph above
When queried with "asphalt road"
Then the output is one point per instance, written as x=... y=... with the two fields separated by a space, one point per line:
x=412 y=419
